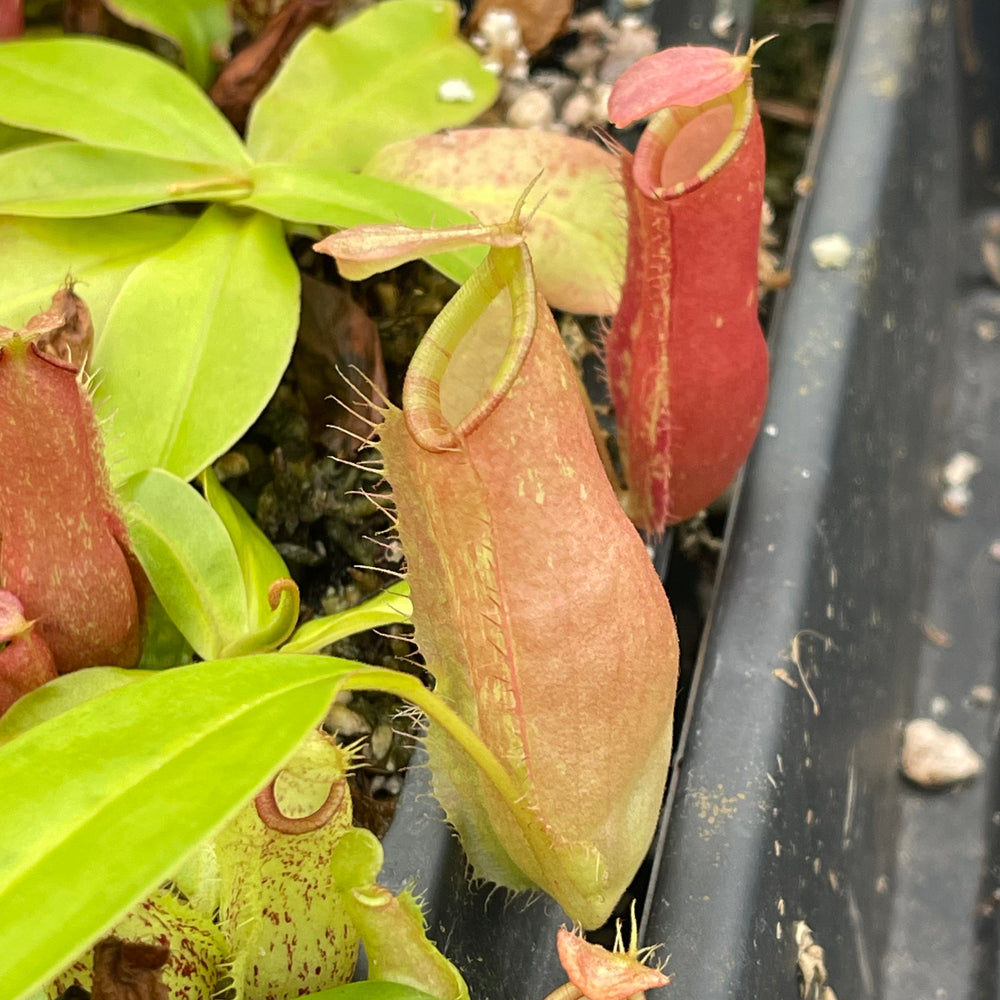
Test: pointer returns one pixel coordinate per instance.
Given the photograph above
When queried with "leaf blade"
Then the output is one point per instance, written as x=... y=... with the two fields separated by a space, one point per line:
x=260 y=562
x=391 y=605
x=122 y=98
x=98 y=253
x=223 y=299
x=195 y=25
x=11 y=137
x=62 y=694
x=126 y=790
x=75 y=180
x=380 y=75
x=189 y=558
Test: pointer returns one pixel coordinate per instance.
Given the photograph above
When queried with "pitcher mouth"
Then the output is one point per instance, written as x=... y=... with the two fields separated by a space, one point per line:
x=682 y=147
x=473 y=352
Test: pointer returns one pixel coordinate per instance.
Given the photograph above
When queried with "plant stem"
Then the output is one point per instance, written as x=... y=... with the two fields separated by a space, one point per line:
x=413 y=691
x=216 y=188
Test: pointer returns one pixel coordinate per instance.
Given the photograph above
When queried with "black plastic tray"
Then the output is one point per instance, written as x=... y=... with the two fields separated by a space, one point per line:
x=841 y=565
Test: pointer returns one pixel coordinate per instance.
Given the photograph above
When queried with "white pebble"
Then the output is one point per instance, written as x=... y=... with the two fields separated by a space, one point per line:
x=986 y=330
x=381 y=741
x=722 y=23
x=577 y=111
x=934 y=757
x=500 y=28
x=961 y=467
x=955 y=500
x=533 y=109
x=831 y=252
x=983 y=695
x=939 y=706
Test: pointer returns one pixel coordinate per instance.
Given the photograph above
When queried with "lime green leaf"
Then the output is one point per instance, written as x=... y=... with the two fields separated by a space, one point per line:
x=196 y=343
x=343 y=94
x=321 y=196
x=102 y=803
x=105 y=801
x=163 y=645
x=106 y=94
x=197 y=26
x=61 y=695
x=71 y=179
x=260 y=562
x=577 y=235
x=189 y=558
x=391 y=605
x=97 y=253
x=11 y=137
x=198 y=559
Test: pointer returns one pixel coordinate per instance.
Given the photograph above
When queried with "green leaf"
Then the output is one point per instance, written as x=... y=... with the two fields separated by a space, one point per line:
x=74 y=180
x=196 y=343
x=163 y=645
x=343 y=94
x=189 y=558
x=105 y=801
x=107 y=94
x=61 y=695
x=260 y=562
x=98 y=253
x=321 y=196
x=272 y=598
x=102 y=803
x=197 y=26
x=391 y=605
x=11 y=137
